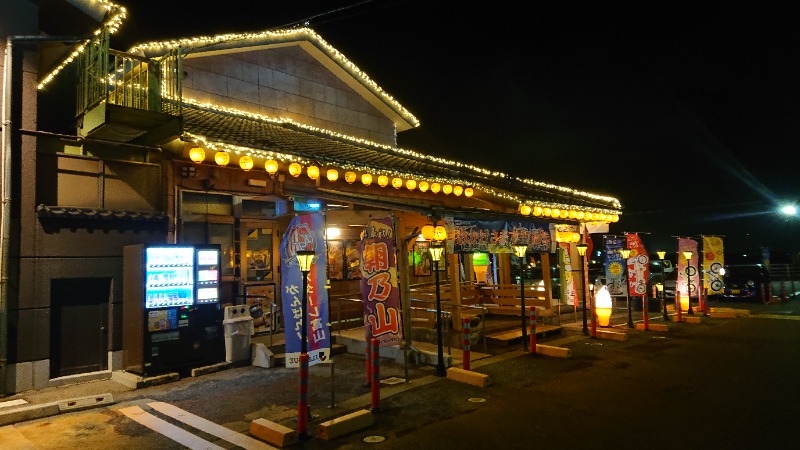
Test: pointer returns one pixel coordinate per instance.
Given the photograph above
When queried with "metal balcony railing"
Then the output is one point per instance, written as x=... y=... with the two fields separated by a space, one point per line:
x=128 y=80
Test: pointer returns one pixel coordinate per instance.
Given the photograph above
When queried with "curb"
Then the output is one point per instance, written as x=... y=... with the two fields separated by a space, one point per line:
x=39 y=411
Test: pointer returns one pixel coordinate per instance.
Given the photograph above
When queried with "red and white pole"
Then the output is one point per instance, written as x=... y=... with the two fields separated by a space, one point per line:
x=465 y=341
x=368 y=353
x=302 y=403
x=644 y=312
x=376 y=374
x=533 y=330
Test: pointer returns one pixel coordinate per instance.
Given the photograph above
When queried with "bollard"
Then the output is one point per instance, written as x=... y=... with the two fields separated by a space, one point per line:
x=769 y=293
x=302 y=402
x=678 y=305
x=783 y=292
x=594 y=322
x=533 y=330
x=465 y=341
x=376 y=374
x=704 y=301
x=644 y=311
x=369 y=362
x=763 y=294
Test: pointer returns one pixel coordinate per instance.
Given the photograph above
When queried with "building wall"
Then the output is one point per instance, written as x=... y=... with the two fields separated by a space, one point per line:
x=285 y=83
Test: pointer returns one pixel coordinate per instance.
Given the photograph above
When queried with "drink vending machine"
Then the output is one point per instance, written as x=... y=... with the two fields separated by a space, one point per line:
x=172 y=320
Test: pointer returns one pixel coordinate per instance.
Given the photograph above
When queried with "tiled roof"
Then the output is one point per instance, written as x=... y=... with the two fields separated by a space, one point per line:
x=66 y=212
x=324 y=149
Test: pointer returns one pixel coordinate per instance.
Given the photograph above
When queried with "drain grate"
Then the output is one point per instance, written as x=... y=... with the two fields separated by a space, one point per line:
x=374 y=439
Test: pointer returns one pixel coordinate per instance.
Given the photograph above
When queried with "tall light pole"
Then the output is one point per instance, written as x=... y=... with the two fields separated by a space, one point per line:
x=661 y=254
x=304 y=259
x=625 y=253
x=582 y=252
x=688 y=255
x=520 y=250
x=436 y=250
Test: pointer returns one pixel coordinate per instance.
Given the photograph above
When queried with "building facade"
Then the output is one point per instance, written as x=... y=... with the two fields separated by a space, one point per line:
x=218 y=141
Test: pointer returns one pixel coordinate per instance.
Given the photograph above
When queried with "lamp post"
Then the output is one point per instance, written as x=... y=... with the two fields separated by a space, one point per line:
x=519 y=250
x=626 y=252
x=582 y=252
x=688 y=255
x=436 y=250
x=304 y=259
x=661 y=254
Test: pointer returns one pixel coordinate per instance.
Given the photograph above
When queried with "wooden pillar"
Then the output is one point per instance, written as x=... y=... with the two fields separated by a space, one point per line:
x=504 y=268
x=455 y=288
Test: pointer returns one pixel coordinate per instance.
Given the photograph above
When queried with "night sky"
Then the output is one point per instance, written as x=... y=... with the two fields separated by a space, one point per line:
x=689 y=115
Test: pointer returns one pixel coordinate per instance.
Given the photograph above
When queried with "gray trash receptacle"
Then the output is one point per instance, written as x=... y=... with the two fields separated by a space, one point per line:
x=238 y=328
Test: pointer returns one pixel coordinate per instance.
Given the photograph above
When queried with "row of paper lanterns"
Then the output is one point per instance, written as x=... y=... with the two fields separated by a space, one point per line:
x=557 y=213
x=222 y=158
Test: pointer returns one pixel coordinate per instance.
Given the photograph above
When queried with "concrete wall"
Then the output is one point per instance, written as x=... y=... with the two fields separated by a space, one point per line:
x=287 y=83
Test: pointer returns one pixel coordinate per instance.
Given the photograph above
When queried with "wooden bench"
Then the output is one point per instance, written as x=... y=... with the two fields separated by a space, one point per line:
x=506 y=300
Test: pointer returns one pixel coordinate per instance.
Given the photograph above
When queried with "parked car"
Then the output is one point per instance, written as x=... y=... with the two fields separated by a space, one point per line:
x=744 y=282
x=662 y=272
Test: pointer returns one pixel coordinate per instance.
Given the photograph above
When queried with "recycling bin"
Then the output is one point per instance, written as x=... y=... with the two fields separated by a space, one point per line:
x=238 y=328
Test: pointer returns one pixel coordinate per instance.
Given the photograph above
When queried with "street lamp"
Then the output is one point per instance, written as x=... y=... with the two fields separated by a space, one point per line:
x=582 y=252
x=436 y=250
x=688 y=255
x=304 y=259
x=661 y=254
x=626 y=252
x=520 y=250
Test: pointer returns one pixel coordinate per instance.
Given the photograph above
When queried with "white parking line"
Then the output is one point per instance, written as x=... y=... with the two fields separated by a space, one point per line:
x=169 y=430
x=210 y=427
x=773 y=316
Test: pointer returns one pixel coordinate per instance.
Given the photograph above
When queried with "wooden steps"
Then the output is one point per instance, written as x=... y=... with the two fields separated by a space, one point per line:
x=508 y=337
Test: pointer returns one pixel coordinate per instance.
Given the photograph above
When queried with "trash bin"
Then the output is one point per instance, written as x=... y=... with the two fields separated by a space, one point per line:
x=238 y=326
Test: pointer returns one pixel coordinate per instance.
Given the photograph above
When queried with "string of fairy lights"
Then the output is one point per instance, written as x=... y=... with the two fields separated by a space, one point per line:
x=117 y=16
x=434 y=185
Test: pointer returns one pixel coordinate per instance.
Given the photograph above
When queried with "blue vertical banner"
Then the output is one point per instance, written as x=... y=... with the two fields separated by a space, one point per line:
x=615 y=266
x=305 y=232
x=379 y=288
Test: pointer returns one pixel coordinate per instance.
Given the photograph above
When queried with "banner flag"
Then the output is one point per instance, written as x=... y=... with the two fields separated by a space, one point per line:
x=713 y=261
x=379 y=287
x=638 y=264
x=305 y=232
x=615 y=275
x=685 y=244
x=567 y=274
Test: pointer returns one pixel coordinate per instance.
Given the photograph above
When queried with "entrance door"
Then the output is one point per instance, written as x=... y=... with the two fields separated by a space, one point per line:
x=79 y=325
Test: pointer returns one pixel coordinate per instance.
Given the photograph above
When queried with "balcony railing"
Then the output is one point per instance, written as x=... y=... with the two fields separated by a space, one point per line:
x=128 y=80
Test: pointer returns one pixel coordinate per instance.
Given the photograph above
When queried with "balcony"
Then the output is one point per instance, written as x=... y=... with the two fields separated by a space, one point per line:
x=128 y=98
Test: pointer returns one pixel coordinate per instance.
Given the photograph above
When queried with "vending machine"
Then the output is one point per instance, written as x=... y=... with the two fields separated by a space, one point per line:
x=172 y=319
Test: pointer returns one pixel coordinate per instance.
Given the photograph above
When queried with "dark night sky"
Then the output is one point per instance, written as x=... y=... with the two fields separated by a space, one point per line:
x=690 y=115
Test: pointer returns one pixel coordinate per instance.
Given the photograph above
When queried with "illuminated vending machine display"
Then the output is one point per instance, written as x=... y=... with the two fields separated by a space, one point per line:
x=208 y=260
x=169 y=277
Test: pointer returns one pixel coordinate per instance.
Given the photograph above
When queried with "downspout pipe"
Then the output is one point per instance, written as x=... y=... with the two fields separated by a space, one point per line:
x=6 y=186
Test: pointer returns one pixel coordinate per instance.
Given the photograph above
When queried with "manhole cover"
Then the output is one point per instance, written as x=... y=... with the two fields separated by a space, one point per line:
x=374 y=439
x=476 y=400
x=392 y=381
